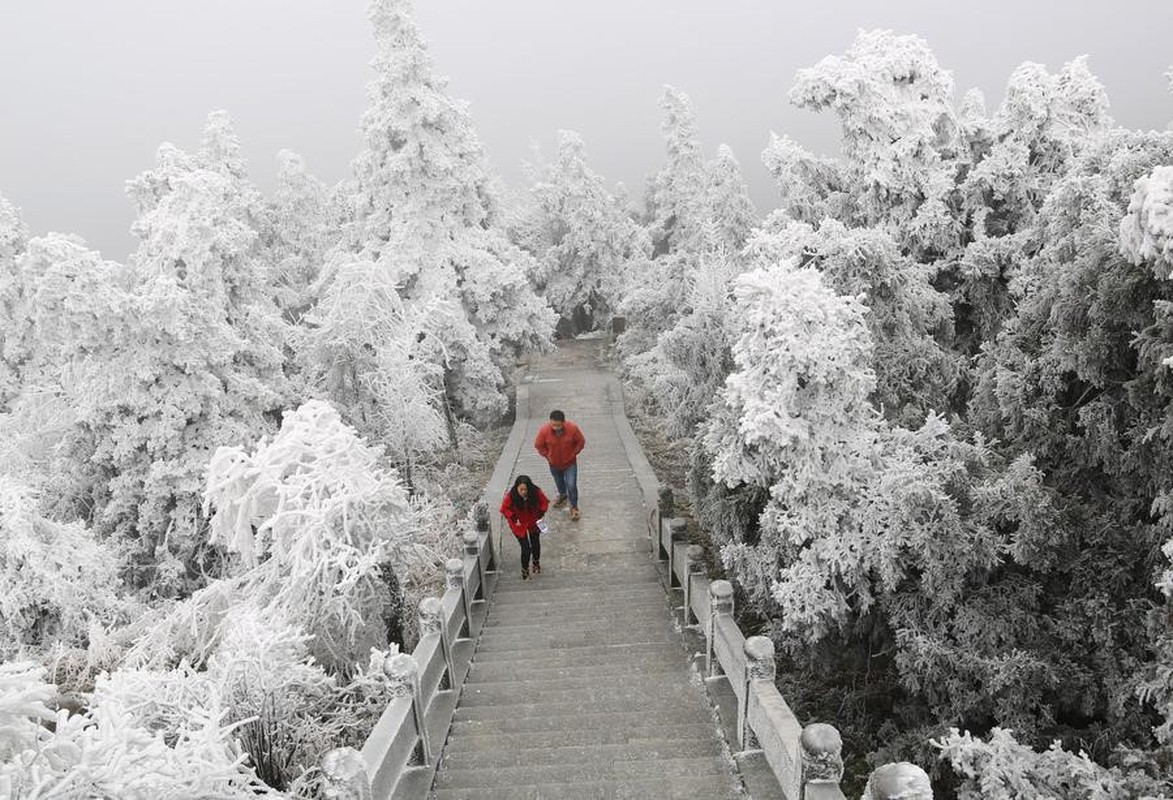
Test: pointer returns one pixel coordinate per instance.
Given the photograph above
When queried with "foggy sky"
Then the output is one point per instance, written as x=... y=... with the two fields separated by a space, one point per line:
x=89 y=90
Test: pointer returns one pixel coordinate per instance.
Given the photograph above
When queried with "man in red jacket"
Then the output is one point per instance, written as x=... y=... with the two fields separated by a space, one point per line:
x=560 y=441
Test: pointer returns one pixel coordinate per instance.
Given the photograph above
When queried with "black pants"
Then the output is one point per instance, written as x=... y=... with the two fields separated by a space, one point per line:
x=531 y=544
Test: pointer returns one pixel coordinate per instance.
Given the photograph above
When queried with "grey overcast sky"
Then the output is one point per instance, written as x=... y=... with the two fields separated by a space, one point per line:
x=88 y=90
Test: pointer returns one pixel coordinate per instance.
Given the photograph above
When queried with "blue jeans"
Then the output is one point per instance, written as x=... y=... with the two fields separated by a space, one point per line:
x=566 y=482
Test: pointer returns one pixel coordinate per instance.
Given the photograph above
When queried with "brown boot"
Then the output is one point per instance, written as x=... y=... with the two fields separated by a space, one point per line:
x=524 y=574
x=537 y=568
x=574 y=512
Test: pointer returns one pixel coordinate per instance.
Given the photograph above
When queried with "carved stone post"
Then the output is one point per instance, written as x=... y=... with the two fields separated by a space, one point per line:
x=403 y=680
x=480 y=522
x=432 y=621
x=454 y=579
x=677 y=532
x=346 y=775
x=822 y=754
x=759 y=667
x=472 y=547
x=720 y=602
x=694 y=565
x=901 y=781
x=664 y=510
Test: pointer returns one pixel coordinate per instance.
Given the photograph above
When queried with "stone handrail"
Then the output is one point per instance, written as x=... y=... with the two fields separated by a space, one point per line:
x=806 y=761
x=399 y=757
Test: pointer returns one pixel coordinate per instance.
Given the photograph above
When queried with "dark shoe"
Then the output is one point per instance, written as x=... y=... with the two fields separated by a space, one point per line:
x=524 y=574
x=560 y=501
x=574 y=513
x=537 y=568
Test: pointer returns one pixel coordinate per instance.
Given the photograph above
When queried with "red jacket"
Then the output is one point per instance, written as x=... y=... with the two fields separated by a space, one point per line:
x=560 y=449
x=522 y=519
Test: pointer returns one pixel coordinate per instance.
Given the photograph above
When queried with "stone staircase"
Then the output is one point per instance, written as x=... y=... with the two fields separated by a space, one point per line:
x=580 y=685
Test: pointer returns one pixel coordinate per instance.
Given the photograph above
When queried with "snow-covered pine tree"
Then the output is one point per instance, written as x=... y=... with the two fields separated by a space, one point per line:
x=304 y=227
x=164 y=360
x=426 y=212
x=899 y=133
x=585 y=244
x=13 y=315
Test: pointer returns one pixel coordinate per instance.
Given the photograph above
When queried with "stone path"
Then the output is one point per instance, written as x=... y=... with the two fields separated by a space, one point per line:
x=580 y=686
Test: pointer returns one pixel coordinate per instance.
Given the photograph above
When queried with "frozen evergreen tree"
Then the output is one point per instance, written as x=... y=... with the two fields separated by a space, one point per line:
x=910 y=321
x=675 y=193
x=13 y=313
x=726 y=208
x=426 y=212
x=899 y=134
x=160 y=361
x=587 y=247
x=304 y=228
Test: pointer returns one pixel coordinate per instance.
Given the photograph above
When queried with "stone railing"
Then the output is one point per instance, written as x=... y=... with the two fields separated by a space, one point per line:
x=807 y=762
x=399 y=757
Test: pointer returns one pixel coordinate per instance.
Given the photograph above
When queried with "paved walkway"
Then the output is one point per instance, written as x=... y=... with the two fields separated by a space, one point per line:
x=580 y=686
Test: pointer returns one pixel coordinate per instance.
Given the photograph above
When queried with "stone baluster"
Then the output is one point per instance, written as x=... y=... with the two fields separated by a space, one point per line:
x=720 y=602
x=664 y=510
x=901 y=781
x=480 y=522
x=472 y=547
x=694 y=565
x=403 y=680
x=432 y=621
x=454 y=579
x=677 y=532
x=346 y=775
x=822 y=755
x=759 y=668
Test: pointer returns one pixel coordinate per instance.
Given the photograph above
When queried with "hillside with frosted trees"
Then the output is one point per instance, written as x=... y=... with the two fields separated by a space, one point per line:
x=924 y=404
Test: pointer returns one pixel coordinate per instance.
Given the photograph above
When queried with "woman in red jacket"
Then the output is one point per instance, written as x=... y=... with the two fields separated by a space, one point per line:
x=524 y=505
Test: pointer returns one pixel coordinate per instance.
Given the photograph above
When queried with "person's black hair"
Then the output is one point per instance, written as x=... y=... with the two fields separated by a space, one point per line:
x=531 y=493
x=557 y=416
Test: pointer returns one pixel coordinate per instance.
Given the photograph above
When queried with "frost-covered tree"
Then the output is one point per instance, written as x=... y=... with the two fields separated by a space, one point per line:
x=160 y=361
x=426 y=212
x=13 y=314
x=375 y=356
x=726 y=208
x=689 y=362
x=58 y=579
x=305 y=227
x=910 y=321
x=899 y=133
x=675 y=193
x=585 y=244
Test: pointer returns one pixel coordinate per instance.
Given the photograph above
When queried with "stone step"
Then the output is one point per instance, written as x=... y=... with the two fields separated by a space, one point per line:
x=588 y=772
x=631 y=680
x=656 y=663
x=571 y=705
x=544 y=587
x=557 y=752
x=635 y=734
x=589 y=720
x=571 y=656
x=599 y=691
x=581 y=612
x=711 y=787
x=547 y=639
x=583 y=607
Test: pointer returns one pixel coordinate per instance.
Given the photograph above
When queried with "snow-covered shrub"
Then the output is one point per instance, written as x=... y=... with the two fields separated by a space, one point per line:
x=328 y=535
x=999 y=768
x=108 y=751
x=58 y=579
x=1146 y=232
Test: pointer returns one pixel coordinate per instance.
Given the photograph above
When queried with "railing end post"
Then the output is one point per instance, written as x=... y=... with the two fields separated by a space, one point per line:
x=899 y=781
